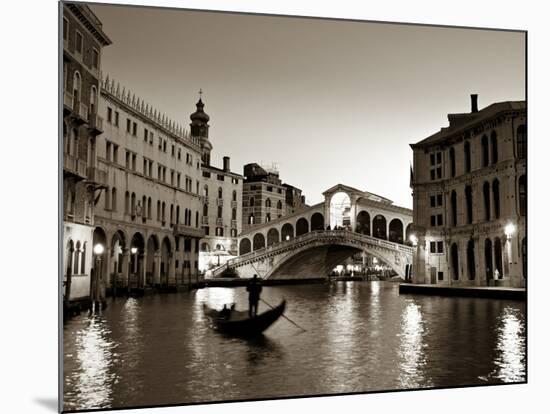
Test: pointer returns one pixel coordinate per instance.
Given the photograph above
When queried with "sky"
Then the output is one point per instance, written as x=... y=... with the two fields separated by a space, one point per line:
x=327 y=101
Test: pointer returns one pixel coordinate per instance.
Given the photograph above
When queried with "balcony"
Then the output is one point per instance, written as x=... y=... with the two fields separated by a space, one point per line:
x=81 y=113
x=181 y=230
x=204 y=220
x=99 y=177
x=219 y=201
x=233 y=204
x=74 y=166
x=219 y=222
x=96 y=124
x=68 y=103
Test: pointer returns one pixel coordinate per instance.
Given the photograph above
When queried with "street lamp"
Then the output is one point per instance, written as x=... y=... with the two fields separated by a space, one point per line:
x=98 y=251
x=413 y=239
x=509 y=230
x=133 y=250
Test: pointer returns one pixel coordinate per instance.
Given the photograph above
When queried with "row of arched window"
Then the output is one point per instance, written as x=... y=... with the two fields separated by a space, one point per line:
x=220 y=192
x=493 y=259
x=220 y=212
x=145 y=208
x=489 y=150
x=252 y=203
x=76 y=258
x=77 y=92
x=491 y=201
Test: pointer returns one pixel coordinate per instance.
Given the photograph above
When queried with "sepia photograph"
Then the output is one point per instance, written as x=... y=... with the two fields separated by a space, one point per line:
x=262 y=206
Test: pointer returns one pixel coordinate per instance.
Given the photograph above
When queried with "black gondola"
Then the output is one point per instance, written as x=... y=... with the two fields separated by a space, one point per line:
x=239 y=323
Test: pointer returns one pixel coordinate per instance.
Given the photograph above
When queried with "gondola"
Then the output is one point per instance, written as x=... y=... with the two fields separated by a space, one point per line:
x=239 y=323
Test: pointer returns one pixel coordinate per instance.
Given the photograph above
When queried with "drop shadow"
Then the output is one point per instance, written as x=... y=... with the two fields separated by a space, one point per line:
x=49 y=403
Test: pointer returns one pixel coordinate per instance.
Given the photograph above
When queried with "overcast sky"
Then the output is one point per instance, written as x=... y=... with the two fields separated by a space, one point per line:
x=327 y=101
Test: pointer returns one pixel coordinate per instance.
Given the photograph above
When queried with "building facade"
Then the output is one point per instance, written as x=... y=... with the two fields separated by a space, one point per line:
x=221 y=200
x=470 y=199
x=264 y=196
x=294 y=200
x=83 y=41
x=148 y=216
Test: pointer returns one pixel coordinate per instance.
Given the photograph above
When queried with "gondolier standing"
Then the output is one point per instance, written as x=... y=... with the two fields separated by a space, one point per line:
x=254 y=289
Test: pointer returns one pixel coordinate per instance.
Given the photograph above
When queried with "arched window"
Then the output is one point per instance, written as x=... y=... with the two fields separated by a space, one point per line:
x=158 y=210
x=171 y=213
x=83 y=260
x=205 y=209
x=469 y=204
x=76 y=87
x=107 y=195
x=220 y=192
x=279 y=205
x=178 y=215
x=205 y=191
x=498 y=257
x=251 y=202
x=488 y=259
x=467 y=157
x=76 y=259
x=522 y=184
x=234 y=195
x=219 y=211
x=113 y=199
x=144 y=207
x=485 y=150
x=234 y=214
x=452 y=159
x=496 y=198
x=93 y=100
x=69 y=259
x=268 y=203
x=163 y=215
x=521 y=134
x=470 y=253
x=251 y=219
x=133 y=204
x=127 y=202
x=454 y=261
x=487 y=200
x=149 y=208
x=494 y=147
x=197 y=219
x=454 y=213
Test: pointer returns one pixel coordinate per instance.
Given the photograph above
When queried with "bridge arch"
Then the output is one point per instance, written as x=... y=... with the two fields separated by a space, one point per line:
x=287 y=231
x=317 y=221
x=302 y=226
x=258 y=242
x=272 y=236
x=245 y=246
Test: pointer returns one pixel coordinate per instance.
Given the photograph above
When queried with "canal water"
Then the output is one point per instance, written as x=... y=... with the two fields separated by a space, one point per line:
x=361 y=336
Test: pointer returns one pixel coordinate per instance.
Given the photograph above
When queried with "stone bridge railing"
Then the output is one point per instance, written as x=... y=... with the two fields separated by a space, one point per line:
x=317 y=235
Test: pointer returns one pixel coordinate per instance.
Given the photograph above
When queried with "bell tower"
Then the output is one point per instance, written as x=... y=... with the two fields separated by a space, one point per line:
x=199 y=129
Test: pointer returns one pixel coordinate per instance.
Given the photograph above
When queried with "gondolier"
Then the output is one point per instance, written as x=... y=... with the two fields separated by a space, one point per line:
x=254 y=288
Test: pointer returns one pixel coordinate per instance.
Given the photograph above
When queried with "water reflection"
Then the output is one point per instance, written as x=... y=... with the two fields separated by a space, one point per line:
x=412 y=348
x=359 y=337
x=93 y=381
x=510 y=346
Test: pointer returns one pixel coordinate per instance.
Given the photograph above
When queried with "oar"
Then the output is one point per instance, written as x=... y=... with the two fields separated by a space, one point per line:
x=283 y=315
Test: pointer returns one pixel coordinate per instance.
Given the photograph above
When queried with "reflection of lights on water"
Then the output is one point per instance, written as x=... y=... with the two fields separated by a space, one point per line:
x=411 y=347
x=94 y=353
x=374 y=288
x=511 y=347
x=215 y=297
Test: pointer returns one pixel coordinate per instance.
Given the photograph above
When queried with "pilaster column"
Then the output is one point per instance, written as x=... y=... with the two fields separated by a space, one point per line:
x=126 y=268
x=172 y=269
x=142 y=270
x=104 y=277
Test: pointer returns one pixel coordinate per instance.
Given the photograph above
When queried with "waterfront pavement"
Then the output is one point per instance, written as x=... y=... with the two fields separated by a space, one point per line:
x=468 y=291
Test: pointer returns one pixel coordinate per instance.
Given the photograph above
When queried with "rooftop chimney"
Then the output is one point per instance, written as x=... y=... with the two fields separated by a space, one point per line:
x=473 y=97
x=226 y=164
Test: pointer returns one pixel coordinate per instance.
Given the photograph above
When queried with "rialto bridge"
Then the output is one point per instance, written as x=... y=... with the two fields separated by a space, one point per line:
x=312 y=241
